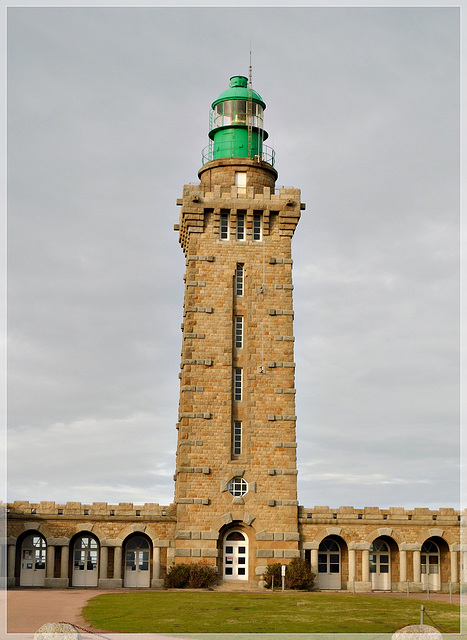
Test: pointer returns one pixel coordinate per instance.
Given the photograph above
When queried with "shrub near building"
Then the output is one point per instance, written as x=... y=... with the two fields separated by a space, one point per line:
x=298 y=575
x=191 y=576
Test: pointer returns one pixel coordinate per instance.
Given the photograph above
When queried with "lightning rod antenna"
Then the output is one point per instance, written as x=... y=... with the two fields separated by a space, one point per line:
x=250 y=109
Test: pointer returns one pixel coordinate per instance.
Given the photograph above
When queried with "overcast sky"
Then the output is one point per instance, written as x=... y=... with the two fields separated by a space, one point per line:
x=107 y=116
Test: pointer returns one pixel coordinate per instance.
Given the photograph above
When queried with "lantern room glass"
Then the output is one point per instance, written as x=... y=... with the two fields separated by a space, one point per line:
x=236 y=112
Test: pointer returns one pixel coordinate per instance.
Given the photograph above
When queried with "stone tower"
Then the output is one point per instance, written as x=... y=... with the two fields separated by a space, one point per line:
x=236 y=472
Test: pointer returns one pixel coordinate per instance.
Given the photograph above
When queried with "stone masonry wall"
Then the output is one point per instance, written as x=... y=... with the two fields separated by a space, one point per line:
x=205 y=463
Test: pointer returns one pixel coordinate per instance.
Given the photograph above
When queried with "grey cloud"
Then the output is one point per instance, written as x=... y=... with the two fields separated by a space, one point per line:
x=108 y=113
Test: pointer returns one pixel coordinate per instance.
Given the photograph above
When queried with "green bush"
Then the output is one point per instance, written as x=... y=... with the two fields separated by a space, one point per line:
x=202 y=577
x=273 y=571
x=177 y=577
x=298 y=575
x=193 y=576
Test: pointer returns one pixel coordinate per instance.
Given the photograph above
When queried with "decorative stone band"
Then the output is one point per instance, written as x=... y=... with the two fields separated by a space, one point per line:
x=192 y=501
x=199 y=258
x=284 y=286
x=285 y=445
x=277 y=535
x=206 y=416
x=284 y=391
x=196 y=535
x=273 y=416
x=205 y=470
x=198 y=310
x=280 y=312
x=280 y=472
x=191 y=443
x=196 y=553
x=286 y=338
x=280 y=261
x=273 y=365
x=190 y=387
x=198 y=336
x=195 y=283
x=282 y=503
x=207 y=362
x=277 y=553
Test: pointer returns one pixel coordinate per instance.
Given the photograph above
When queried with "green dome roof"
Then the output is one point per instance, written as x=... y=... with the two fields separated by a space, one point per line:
x=238 y=90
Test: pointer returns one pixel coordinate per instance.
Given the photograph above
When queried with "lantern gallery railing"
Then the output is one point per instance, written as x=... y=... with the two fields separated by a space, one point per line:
x=268 y=155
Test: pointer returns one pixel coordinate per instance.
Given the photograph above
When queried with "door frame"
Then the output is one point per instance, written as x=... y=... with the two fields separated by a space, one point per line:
x=380 y=581
x=433 y=578
x=235 y=554
x=85 y=573
x=137 y=572
x=32 y=576
x=328 y=579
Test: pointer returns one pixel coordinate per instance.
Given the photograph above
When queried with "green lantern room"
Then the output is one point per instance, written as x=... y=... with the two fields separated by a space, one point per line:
x=236 y=124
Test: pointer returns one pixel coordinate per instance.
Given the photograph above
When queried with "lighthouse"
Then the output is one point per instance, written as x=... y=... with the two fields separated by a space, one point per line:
x=236 y=471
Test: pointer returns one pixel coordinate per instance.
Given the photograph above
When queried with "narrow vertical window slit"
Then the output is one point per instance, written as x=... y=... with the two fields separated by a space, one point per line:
x=239 y=277
x=237 y=438
x=238 y=384
x=238 y=332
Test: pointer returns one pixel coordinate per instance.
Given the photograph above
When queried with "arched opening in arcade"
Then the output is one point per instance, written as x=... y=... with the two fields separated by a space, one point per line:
x=384 y=563
x=332 y=563
x=85 y=560
x=434 y=563
x=137 y=558
x=32 y=557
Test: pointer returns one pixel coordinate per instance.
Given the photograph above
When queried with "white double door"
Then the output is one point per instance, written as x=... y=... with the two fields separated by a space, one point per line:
x=329 y=565
x=235 y=556
x=429 y=566
x=85 y=562
x=136 y=568
x=380 y=567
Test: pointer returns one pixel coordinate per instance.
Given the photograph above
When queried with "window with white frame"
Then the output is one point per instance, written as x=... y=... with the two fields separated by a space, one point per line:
x=238 y=332
x=257 y=220
x=224 y=226
x=238 y=486
x=237 y=438
x=240 y=181
x=238 y=383
x=239 y=277
x=241 y=225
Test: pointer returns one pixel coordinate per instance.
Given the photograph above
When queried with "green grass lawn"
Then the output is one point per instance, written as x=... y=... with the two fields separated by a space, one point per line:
x=189 y=612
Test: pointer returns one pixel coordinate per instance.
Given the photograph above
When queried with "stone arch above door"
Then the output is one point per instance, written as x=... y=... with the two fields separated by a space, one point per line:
x=384 y=532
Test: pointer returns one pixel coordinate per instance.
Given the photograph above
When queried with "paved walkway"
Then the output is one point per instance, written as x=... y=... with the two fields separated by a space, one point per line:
x=29 y=609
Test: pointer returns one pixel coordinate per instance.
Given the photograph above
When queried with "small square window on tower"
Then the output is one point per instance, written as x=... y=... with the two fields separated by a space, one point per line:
x=240 y=182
